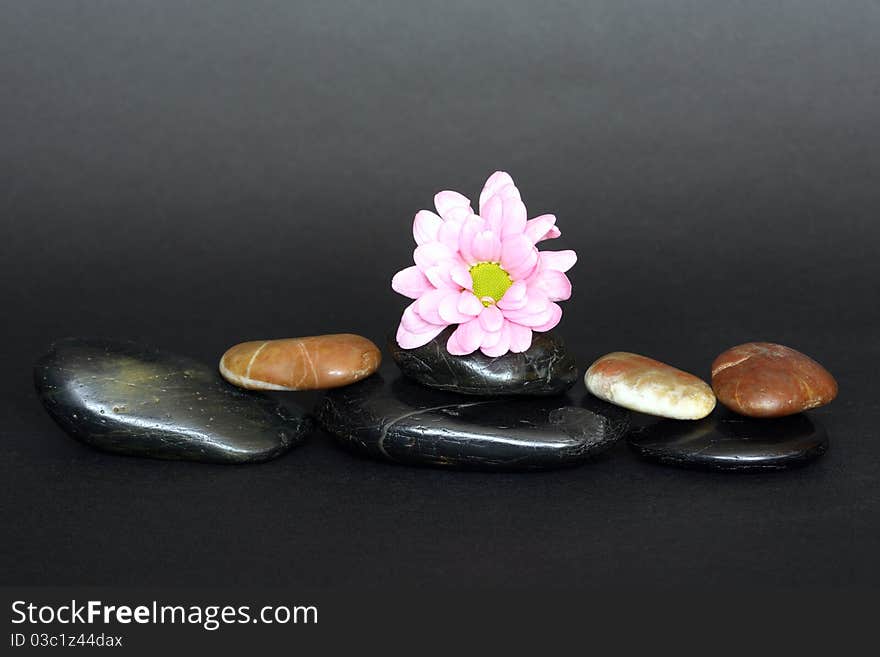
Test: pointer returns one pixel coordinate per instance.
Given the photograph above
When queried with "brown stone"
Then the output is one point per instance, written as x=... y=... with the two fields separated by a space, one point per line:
x=313 y=363
x=762 y=379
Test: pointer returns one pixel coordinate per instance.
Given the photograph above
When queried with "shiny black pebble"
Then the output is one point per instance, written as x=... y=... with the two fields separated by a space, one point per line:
x=130 y=399
x=545 y=368
x=726 y=441
x=389 y=417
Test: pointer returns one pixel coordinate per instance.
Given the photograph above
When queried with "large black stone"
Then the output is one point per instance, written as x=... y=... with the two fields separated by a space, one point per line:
x=726 y=441
x=390 y=417
x=545 y=368
x=130 y=399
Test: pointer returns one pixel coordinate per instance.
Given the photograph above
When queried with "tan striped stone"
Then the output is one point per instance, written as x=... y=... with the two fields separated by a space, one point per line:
x=311 y=363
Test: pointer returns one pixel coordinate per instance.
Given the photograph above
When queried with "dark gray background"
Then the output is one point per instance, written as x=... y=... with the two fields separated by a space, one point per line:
x=199 y=174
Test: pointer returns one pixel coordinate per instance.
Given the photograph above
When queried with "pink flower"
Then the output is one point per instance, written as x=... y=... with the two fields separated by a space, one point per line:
x=482 y=272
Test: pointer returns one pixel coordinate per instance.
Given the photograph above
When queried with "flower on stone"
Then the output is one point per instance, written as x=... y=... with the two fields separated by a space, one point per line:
x=482 y=272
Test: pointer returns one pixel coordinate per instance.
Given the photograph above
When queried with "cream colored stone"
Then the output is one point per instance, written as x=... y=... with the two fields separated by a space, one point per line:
x=648 y=386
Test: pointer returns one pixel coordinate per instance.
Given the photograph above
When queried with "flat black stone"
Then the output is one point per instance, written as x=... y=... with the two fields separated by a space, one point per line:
x=726 y=441
x=130 y=399
x=387 y=416
x=545 y=368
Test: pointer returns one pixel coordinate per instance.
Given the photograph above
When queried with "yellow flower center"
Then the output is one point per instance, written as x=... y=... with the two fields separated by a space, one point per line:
x=489 y=281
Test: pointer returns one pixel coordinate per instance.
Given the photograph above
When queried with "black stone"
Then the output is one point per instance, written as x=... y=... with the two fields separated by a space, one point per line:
x=545 y=368
x=726 y=441
x=401 y=421
x=130 y=399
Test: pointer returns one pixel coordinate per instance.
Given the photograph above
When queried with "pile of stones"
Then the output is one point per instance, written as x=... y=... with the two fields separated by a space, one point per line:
x=512 y=412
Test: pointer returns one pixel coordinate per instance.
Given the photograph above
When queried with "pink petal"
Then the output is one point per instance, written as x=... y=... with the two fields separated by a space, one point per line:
x=525 y=269
x=495 y=182
x=451 y=229
x=410 y=282
x=409 y=340
x=538 y=228
x=558 y=260
x=504 y=211
x=535 y=312
x=414 y=331
x=469 y=304
x=469 y=231
x=515 y=297
x=450 y=312
x=435 y=276
x=447 y=200
x=515 y=251
x=453 y=347
x=428 y=305
x=533 y=321
x=551 y=234
x=486 y=247
x=555 y=284
x=430 y=254
x=468 y=337
x=491 y=339
x=412 y=322
x=491 y=319
x=514 y=218
x=449 y=233
x=459 y=213
x=500 y=346
x=460 y=273
x=555 y=316
x=440 y=275
x=536 y=301
x=508 y=193
x=518 y=256
x=425 y=226
x=493 y=213
x=520 y=337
